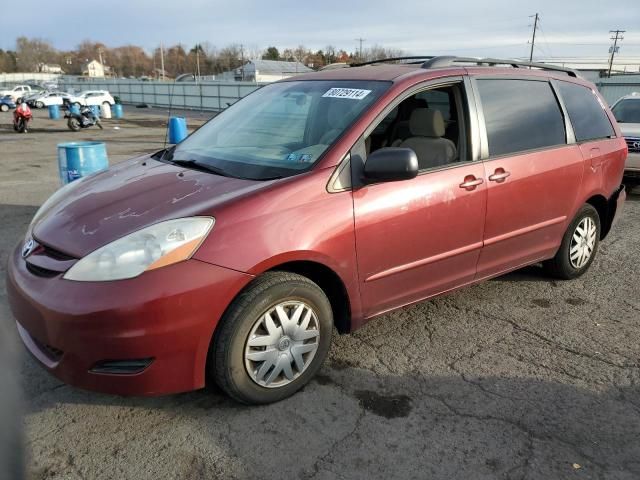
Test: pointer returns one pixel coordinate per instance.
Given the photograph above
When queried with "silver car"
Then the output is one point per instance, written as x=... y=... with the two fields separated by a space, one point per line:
x=627 y=113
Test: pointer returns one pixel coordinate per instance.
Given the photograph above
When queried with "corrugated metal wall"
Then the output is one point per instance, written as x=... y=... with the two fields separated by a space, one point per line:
x=218 y=95
x=198 y=96
x=618 y=86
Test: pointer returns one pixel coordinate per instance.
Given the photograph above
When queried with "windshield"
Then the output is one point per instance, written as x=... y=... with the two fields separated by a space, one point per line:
x=280 y=130
x=627 y=111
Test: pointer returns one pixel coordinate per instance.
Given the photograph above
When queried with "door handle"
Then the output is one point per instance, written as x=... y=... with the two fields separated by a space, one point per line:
x=499 y=175
x=471 y=182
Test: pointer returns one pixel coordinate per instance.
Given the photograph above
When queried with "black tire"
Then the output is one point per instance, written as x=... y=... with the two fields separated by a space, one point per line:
x=227 y=355
x=22 y=126
x=561 y=265
x=73 y=124
x=4 y=107
x=39 y=105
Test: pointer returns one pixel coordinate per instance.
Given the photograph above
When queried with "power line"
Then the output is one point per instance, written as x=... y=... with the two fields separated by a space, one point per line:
x=533 y=38
x=615 y=46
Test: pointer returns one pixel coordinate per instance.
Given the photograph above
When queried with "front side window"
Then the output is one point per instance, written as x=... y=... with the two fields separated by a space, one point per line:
x=280 y=130
x=586 y=112
x=520 y=115
x=431 y=122
x=627 y=111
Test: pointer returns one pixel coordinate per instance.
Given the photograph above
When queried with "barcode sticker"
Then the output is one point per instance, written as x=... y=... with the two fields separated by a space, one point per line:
x=350 y=93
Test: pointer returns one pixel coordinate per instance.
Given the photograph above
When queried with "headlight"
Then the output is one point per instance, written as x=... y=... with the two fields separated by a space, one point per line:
x=153 y=247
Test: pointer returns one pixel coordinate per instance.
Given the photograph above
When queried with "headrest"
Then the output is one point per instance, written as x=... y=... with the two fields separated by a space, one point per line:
x=426 y=122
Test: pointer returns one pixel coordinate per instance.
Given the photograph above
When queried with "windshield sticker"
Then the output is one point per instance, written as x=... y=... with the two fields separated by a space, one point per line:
x=351 y=93
x=299 y=157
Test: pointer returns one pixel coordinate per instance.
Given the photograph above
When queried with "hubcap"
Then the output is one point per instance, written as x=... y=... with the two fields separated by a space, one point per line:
x=583 y=242
x=282 y=344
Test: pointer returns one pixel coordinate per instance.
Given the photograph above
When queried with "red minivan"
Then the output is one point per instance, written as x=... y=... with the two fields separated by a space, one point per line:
x=316 y=202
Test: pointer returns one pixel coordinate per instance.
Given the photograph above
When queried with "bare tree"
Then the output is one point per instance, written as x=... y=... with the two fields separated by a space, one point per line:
x=31 y=53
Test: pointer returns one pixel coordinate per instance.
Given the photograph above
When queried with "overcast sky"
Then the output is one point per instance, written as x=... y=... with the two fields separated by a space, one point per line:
x=474 y=27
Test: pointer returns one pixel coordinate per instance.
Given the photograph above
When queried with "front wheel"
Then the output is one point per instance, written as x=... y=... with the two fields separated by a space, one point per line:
x=4 y=107
x=39 y=105
x=579 y=245
x=273 y=338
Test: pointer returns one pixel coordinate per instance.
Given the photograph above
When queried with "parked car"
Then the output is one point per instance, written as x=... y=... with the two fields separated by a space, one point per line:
x=627 y=113
x=316 y=202
x=7 y=103
x=51 y=98
x=95 y=97
x=17 y=92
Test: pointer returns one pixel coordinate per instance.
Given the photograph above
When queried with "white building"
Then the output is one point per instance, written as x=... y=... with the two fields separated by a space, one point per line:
x=93 y=69
x=263 y=71
x=50 y=68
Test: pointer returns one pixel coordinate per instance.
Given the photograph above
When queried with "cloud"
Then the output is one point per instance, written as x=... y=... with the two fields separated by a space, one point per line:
x=498 y=27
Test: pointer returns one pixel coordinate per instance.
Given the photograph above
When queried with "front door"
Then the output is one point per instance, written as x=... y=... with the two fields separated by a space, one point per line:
x=419 y=237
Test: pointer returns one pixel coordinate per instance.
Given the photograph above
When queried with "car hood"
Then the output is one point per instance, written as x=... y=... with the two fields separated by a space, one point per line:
x=630 y=129
x=130 y=196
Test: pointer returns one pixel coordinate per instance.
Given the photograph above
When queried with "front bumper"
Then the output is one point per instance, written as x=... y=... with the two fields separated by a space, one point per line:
x=166 y=316
x=632 y=165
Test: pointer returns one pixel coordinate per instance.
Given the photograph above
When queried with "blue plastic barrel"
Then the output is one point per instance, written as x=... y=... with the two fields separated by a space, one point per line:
x=74 y=109
x=79 y=159
x=54 y=112
x=117 y=111
x=177 y=129
x=96 y=110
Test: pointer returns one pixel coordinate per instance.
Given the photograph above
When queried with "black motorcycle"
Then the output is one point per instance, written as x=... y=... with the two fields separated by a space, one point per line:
x=85 y=119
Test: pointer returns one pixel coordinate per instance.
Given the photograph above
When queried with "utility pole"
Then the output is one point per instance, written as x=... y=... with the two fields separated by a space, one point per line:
x=360 y=40
x=198 y=62
x=162 y=60
x=242 y=60
x=613 y=50
x=533 y=39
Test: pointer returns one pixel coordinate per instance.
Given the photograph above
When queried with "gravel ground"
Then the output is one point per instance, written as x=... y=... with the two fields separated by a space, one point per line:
x=518 y=377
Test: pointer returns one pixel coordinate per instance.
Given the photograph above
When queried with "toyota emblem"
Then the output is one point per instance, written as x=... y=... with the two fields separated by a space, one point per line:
x=28 y=247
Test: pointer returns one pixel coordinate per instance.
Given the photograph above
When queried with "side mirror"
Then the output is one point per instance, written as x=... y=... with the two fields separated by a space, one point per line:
x=391 y=164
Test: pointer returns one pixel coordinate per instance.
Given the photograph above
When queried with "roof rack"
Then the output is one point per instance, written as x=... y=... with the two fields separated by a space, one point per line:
x=420 y=59
x=447 y=61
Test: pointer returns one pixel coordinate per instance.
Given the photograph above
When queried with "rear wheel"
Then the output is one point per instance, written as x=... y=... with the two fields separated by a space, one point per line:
x=272 y=339
x=579 y=245
x=39 y=105
x=73 y=124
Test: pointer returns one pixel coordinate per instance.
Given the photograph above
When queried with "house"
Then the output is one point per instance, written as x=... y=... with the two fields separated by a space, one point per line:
x=50 y=68
x=262 y=71
x=94 y=69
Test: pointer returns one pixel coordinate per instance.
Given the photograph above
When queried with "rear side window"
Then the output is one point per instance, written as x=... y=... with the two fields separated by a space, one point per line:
x=520 y=115
x=586 y=113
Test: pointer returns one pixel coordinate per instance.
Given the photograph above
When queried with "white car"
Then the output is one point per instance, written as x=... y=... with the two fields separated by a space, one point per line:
x=50 y=98
x=94 y=97
x=627 y=113
x=17 y=92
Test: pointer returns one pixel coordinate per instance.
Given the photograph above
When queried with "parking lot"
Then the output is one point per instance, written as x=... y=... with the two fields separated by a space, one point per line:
x=518 y=377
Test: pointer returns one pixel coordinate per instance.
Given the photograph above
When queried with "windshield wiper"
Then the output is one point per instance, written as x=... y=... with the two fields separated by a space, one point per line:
x=204 y=167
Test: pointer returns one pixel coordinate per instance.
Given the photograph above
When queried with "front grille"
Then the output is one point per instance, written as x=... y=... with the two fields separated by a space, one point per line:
x=41 y=272
x=633 y=144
